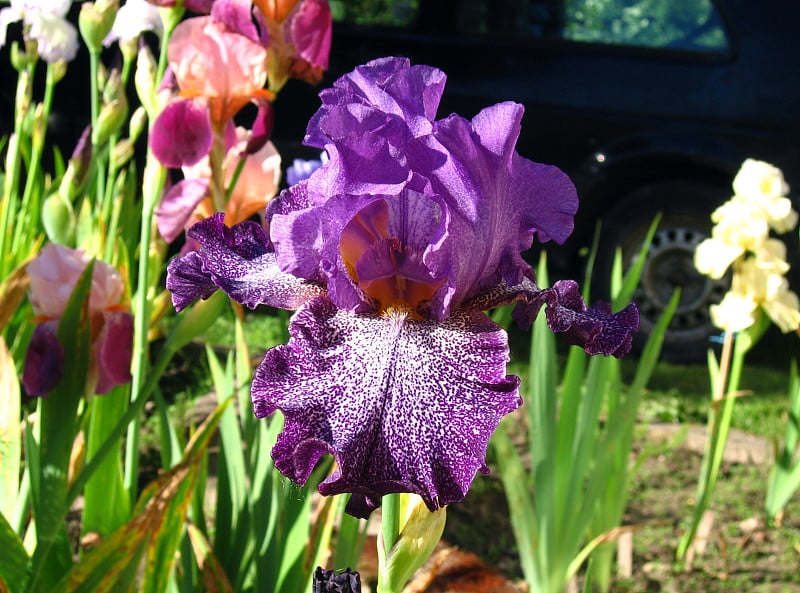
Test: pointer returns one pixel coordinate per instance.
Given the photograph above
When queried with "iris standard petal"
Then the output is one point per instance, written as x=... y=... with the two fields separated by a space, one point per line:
x=386 y=88
x=181 y=134
x=403 y=405
x=240 y=261
x=496 y=199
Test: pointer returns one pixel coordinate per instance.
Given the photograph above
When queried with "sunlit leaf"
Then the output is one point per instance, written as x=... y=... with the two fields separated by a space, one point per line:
x=10 y=432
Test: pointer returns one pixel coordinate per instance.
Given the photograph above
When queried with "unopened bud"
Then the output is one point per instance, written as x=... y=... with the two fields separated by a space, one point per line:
x=58 y=219
x=78 y=168
x=129 y=49
x=24 y=94
x=95 y=22
x=420 y=531
x=145 y=79
x=102 y=75
x=171 y=15
x=20 y=59
x=59 y=70
x=110 y=120
x=137 y=124
x=39 y=126
x=113 y=89
x=122 y=152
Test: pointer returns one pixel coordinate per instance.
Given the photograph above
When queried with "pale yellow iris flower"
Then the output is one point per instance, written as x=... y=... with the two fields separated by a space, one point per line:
x=740 y=240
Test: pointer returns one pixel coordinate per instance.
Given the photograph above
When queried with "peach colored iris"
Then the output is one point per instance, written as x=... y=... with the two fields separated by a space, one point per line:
x=226 y=68
x=299 y=39
x=256 y=185
x=54 y=273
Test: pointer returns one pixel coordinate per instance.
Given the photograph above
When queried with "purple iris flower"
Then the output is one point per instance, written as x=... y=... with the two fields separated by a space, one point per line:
x=390 y=252
x=302 y=169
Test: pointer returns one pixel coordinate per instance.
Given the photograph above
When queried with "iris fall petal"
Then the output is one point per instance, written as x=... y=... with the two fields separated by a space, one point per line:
x=403 y=405
x=238 y=260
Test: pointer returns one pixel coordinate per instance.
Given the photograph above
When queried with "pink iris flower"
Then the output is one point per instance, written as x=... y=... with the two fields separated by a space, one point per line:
x=299 y=38
x=189 y=200
x=53 y=276
x=217 y=71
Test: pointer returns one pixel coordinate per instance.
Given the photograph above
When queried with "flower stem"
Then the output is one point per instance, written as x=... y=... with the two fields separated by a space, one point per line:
x=390 y=531
x=725 y=390
x=31 y=200
x=155 y=177
x=718 y=426
x=94 y=60
x=9 y=207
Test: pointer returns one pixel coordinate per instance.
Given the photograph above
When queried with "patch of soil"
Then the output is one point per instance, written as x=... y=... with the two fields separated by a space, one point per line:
x=741 y=552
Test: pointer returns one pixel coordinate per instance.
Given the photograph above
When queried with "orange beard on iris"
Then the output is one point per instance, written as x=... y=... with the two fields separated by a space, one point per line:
x=368 y=235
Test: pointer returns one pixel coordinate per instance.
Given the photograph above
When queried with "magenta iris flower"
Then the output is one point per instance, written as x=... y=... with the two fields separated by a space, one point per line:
x=390 y=253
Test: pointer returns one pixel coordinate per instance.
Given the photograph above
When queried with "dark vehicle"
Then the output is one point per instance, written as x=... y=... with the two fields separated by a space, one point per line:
x=649 y=105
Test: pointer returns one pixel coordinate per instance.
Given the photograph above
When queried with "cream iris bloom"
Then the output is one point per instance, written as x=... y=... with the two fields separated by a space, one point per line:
x=763 y=185
x=46 y=23
x=740 y=239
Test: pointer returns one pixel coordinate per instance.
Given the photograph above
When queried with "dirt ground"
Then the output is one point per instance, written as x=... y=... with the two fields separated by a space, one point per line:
x=741 y=553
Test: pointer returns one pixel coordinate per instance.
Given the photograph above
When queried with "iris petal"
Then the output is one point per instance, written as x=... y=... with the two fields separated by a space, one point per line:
x=182 y=134
x=113 y=351
x=44 y=360
x=177 y=206
x=496 y=199
x=240 y=261
x=403 y=405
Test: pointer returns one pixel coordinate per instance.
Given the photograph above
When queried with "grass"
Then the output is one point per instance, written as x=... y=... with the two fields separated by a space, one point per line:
x=680 y=393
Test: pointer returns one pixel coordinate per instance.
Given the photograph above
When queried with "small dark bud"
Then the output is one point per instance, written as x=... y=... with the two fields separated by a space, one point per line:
x=328 y=581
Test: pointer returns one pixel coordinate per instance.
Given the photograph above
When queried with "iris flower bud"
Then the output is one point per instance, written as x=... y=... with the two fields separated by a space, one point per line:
x=110 y=120
x=95 y=22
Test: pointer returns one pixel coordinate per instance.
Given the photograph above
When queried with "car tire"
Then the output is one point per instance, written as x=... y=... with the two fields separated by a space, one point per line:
x=685 y=207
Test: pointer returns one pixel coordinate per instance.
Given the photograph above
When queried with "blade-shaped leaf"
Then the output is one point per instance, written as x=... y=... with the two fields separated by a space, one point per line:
x=14 y=566
x=213 y=576
x=156 y=528
x=10 y=432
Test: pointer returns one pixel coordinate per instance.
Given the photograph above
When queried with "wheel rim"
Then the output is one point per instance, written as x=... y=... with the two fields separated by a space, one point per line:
x=670 y=265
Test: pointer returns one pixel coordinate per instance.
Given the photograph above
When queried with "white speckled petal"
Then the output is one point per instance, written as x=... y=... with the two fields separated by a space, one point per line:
x=240 y=261
x=403 y=405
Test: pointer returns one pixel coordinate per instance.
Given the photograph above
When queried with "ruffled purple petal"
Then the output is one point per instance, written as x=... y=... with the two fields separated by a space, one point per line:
x=188 y=281
x=595 y=329
x=177 y=205
x=377 y=127
x=496 y=200
x=44 y=360
x=181 y=135
x=113 y=351
x=403 y=405
x=240 y=261
x=373 y=95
